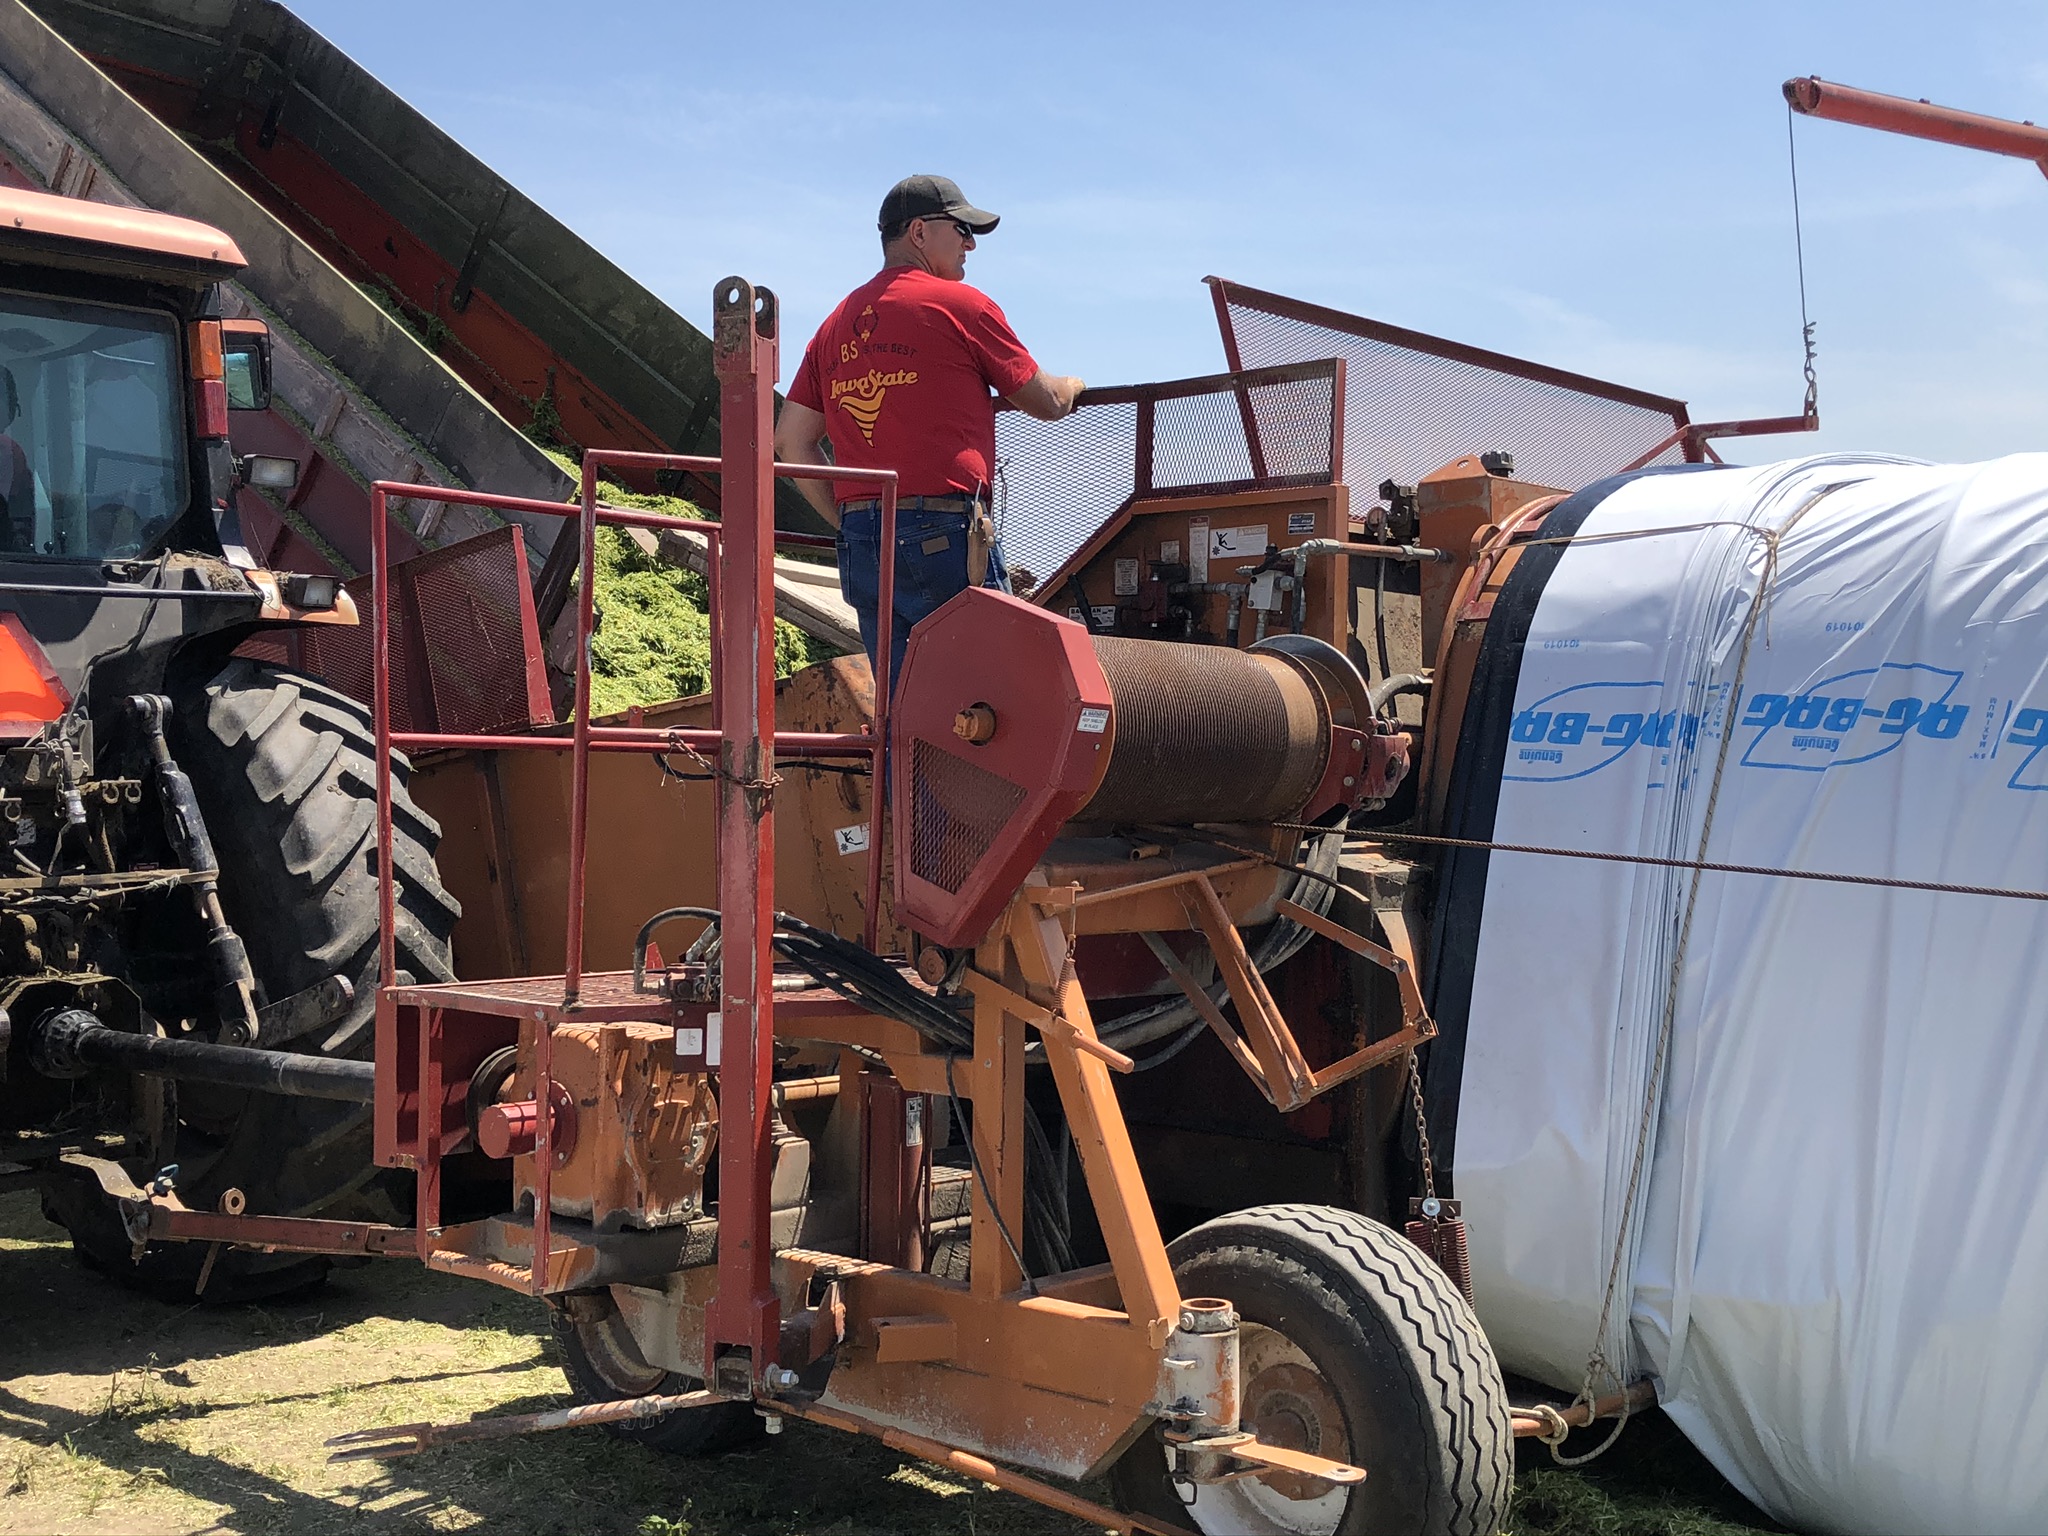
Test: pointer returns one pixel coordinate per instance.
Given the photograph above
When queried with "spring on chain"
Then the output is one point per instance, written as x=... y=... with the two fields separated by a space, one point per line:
x=1441 y=1235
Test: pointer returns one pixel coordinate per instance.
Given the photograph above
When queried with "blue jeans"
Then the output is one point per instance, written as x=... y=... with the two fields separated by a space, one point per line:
x=931 y=567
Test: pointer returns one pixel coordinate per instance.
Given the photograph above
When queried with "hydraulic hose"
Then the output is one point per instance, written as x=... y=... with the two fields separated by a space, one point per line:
x=838 y=964
x=1387 y=689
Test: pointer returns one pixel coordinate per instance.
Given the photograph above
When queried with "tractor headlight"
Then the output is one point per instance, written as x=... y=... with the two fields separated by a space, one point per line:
x=310 y=591
x=269 y=472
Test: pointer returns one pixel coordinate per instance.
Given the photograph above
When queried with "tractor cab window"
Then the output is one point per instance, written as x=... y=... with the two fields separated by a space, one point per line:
x=92 y=450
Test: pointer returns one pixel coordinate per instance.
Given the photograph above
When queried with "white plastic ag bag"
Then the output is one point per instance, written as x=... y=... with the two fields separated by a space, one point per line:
x=1833 y=1263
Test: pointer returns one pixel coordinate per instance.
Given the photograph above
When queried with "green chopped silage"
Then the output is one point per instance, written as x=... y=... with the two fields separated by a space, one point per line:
x=653 y=640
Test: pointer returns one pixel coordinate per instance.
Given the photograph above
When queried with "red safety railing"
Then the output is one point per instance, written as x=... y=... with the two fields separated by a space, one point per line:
x=586 y=737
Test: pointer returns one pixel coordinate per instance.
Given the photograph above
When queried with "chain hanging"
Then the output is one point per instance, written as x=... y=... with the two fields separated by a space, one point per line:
x=1435 y=1226
x=766 y=786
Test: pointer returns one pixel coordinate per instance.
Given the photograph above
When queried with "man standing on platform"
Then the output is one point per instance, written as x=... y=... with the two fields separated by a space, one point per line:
x=903 y=375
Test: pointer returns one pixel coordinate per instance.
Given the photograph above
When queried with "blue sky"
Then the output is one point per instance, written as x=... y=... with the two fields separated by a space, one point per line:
x=1599 y=187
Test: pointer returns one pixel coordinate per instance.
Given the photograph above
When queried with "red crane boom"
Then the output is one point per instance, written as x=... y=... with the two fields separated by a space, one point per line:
x=1816 y=97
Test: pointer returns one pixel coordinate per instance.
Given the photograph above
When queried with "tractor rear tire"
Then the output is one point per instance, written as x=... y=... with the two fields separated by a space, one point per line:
x=604 y=1365
x=1356 y=1347
x=284 y=768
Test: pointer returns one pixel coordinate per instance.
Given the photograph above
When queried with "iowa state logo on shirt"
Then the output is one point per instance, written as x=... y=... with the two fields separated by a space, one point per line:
x=863 y=397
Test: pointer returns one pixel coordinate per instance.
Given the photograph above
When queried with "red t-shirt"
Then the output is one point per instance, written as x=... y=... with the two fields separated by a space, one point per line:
x=902 y=372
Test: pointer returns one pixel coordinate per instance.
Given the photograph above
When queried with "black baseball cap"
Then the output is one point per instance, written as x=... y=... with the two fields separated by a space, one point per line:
x=932 y=197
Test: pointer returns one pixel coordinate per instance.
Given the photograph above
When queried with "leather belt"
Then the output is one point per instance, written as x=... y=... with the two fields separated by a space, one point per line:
x=960 y=503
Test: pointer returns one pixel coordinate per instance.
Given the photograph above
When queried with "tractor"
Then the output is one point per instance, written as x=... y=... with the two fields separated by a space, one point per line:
x=189 y=913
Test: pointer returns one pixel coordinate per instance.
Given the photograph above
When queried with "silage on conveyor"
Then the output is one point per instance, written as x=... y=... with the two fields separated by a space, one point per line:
x=653 y=640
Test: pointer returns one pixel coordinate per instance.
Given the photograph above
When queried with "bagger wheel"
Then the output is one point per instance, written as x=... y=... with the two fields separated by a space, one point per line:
x=604 y=1365
x=1354 y=1347
x=284 y=768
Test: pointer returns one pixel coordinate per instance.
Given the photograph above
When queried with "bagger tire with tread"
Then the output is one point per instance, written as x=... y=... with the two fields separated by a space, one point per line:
x=284 y=768
x=604 y=1365
x=1357 y=1347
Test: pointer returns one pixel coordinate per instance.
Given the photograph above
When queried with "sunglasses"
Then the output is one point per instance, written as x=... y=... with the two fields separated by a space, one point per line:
x=964 y=232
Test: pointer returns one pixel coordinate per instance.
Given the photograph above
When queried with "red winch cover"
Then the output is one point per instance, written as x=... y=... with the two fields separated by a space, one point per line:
x=976 y=816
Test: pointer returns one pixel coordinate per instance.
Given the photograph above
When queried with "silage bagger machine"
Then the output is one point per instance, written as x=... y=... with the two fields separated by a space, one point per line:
x=1061 y=1111
x=895 y=1140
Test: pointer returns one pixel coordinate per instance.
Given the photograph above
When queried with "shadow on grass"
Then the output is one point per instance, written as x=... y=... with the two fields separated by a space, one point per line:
x=808 y=1480
x=104 y=1412
x=97 y=1384
x=1653 y=1483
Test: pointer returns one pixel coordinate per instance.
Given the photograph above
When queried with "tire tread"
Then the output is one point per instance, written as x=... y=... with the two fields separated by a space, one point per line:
x=1470 y=1404
x=285 y=770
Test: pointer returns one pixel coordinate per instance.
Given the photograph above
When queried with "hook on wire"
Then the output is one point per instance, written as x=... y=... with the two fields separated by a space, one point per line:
x=1806 y=324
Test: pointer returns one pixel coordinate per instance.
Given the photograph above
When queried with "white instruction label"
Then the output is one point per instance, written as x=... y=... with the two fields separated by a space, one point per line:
x=1094 y=720
x=1127 y=578
x=1230 y=543
x=689 y=1041
x=1104 y=615
x=1169 y=552
x=1198 y=551
x=852 y=839
x=713 y=1028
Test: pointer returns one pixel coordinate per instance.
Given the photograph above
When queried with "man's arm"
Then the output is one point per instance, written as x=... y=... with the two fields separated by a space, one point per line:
x=799 y=433
x=1047 y=396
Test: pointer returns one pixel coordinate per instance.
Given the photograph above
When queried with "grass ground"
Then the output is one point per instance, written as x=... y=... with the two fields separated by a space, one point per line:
x=1653 y=1483
x=126 y=1417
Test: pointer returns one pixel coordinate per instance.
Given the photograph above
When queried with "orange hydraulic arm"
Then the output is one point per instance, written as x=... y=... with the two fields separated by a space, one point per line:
x=1918 y=119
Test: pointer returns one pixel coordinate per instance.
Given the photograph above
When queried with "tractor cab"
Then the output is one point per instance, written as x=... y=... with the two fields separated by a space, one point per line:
x=116 y=377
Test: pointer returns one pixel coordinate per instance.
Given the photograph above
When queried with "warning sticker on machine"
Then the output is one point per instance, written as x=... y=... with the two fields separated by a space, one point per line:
x=1094 y=720
x=1127 y=578
x=1198 y=551
x=1169 y=552
x=1227 y=542
x=693 y=1043
x=1104 y=614
x=1301 y=522
x=852 y=839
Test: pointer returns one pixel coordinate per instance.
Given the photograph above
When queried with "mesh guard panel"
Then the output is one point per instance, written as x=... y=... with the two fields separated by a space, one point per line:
x=1058 y=482
x=1414 y=402
x=469 y=611
x=465 y=645
x=957 y=809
